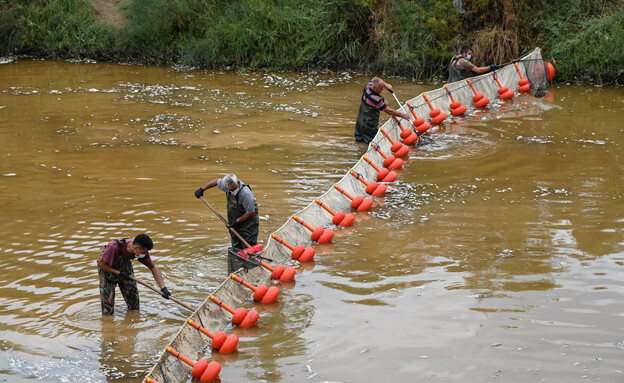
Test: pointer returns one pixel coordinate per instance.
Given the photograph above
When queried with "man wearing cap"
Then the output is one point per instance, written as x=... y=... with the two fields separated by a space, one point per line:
x=242 y=209
x=115 y=268
x=368 y=115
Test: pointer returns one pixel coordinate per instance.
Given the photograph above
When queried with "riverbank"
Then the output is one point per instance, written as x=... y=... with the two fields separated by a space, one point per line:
x=411 y=39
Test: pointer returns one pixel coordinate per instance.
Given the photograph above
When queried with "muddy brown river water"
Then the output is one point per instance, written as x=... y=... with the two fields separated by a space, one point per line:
x=497 y=257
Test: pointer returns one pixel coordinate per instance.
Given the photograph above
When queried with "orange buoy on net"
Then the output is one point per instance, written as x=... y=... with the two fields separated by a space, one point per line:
x=241 y=317
x=372 y=188
x=436 y=114
x=299 y=252
x=399 y=149
x=417 y=120
x=390 y=161
x=262 y=293
x=284 y=274
x=503 y=91
x=457 y=109
x=410 y=135
x=383 y=175
x=419 y=123
x=340 y=218
x=319 y=234
x=358 y=203
x=221 y=342
x=202 y=370
x=523 y=83
x=479 y=99
x=551 y=70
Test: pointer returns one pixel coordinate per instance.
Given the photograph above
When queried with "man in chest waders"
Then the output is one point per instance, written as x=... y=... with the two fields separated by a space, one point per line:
x=461 y=68
x=115 y=269
x=242 y=209
x=368 y=115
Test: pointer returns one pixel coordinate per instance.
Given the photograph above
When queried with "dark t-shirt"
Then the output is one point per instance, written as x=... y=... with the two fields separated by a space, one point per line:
x=112 y=251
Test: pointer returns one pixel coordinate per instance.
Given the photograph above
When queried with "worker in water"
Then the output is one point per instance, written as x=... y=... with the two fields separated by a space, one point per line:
x=242 y=209
x=115 y=268
x=461 y=68
x=368 y=115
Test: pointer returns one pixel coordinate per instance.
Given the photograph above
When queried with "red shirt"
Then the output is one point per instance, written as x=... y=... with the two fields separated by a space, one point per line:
x=112 y=251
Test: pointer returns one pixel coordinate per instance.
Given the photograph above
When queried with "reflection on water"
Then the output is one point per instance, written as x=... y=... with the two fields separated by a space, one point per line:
x=499 y=248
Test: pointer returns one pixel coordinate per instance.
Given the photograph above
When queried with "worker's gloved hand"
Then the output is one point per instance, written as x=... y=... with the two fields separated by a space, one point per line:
x=124 y=274
x=493 y=67
x=232 y=224
x=199 y=192
x=165 y=293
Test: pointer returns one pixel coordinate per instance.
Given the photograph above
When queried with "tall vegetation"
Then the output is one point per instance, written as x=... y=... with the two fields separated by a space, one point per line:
x=53 y=28
x=414 y=38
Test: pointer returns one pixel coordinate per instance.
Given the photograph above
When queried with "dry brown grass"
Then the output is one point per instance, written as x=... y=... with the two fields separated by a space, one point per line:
x=495 y=45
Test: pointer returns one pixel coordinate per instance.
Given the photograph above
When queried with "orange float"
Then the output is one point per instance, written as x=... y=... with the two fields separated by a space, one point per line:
x=262 y=293
x=383 y=175
x=419 y=123
x=399 y=149
x=551 y=70
x=503 y=91
x=358 y=203
x=457 y=109
x=436 y=114
x=240 y=317
x=372 y=188
x=340 y=218
x=221 y=342
x=408 y=136
x=390 y=161
x=299 y=252
x=479 y=99
x=319 y=234
x=202 y=370
x=523 y=83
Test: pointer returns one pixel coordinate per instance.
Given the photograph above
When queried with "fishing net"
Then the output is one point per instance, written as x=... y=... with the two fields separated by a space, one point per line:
x=237 y=258
x=537 y=73
x=338 y=197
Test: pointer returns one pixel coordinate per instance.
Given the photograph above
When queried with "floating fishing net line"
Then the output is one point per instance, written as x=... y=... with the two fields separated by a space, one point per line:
x=193 y=345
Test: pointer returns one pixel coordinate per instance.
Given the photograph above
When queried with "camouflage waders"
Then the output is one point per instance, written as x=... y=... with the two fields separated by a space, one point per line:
x=127 y=286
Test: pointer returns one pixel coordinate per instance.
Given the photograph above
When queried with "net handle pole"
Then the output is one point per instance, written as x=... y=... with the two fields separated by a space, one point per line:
x=159 y=293
x=225 y=222
x=397 y=100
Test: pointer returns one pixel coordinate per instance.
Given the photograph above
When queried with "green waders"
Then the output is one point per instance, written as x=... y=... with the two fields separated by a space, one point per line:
x=248 y=229
x=366 y=124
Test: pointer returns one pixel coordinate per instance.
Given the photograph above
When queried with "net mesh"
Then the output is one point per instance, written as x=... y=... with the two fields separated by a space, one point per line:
x=537 y=73
x=238 y=259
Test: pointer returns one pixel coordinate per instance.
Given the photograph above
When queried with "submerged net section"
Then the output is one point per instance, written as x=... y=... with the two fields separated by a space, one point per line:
x=194 y=345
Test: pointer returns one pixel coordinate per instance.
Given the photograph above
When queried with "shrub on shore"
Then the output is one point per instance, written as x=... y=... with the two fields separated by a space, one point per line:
x=399 y=37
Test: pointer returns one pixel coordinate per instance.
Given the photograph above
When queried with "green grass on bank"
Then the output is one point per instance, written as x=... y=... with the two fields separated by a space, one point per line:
x=58 y=29
x=411 y=38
